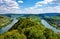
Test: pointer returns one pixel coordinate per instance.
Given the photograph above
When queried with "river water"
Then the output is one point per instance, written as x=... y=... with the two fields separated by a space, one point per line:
x=49 y=26
x=5 y=29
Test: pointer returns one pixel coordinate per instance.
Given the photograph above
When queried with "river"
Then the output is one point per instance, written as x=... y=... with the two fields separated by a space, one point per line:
x=5 y=29
x=49 y=26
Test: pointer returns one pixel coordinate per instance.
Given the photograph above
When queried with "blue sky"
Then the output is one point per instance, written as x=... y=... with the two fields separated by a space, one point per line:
x=28 y=3
x=29 y=6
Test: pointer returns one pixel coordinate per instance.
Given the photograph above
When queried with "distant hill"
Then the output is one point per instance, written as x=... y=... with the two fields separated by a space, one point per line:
x=42 y=15
x=50 y=14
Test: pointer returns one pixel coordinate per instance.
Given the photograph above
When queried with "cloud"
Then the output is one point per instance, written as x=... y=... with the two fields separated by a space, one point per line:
x=52 y=9
x=46 y=6
x=9 y=10
x=42 y=10
x=45 y=2
x=48 y=1
x=20 y=1
x=9 y=6
x=8 y=3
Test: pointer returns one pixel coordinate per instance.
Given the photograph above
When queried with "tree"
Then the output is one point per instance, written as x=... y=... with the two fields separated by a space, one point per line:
x=49 y=34
x=1 y=36
x=34 y=33
x=58 y=35
x=14 y=34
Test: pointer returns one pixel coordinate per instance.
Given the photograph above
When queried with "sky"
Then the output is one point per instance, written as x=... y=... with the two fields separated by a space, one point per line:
x=29 y=6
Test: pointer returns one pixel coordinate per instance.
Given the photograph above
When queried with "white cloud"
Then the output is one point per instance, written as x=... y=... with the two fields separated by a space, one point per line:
x=7 y=10
x=9 y=6
x=52 y=9
x=48 y=0
x=9 y=3
x=20 y=1
x=45 y=2
x=42 y=10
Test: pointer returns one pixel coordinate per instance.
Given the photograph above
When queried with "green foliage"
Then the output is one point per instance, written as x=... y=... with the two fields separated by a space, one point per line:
x=24 y=23
x=55 y=17
x=58 y=35
x=35 y=18
x=34 y=33
x=14 y=34
x=49 y=34
x=1 y=36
